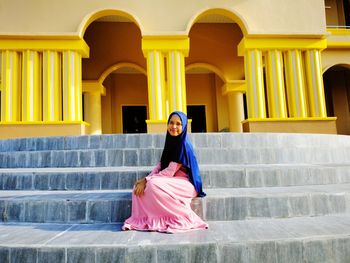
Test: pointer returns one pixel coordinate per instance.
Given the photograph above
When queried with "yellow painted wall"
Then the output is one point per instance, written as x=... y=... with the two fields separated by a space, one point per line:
x=213 y=44
x=216 y=44
x=111 y=43
x=222 y=106
x=37 y=17
x=201 y=90
x=335 y=12
x=126 y=90
x=332 y=57
x=106 y=111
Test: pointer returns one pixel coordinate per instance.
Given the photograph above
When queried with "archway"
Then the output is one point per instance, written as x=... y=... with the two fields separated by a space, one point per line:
x=126 y=97
x=116 y=61
x=337 y=90
x=213 y=62
x=204 y=98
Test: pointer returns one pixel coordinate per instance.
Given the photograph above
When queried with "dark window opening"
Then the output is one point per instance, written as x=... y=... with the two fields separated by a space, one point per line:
x=134 y=119
x=197 y=114
x=245 y=106
x=328 y=94
x=347 y=12
x=83 y=106
x=265 y=88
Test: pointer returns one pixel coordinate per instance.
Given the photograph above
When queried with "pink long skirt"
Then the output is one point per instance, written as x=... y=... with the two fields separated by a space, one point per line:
x=165 y=206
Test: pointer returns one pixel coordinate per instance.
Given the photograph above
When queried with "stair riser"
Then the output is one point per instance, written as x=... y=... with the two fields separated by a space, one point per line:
x=210 y=140
x=148 y=157
x=75 y=210
x=70 y=181
x=288 y=251
x=83 y=142
x=219 y=178
x=240 y=208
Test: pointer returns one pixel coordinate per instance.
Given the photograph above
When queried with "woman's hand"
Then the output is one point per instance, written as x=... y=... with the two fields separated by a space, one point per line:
x=178 y=166
x=140 y=186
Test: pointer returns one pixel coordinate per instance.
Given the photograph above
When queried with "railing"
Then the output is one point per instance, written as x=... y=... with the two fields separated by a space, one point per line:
x=336 y=26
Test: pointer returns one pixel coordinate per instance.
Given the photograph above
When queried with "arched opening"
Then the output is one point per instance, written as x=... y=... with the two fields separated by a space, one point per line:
x=204 y=98
x=116 y=61
x=125 y=106
x=214 y=37
x=337 y=91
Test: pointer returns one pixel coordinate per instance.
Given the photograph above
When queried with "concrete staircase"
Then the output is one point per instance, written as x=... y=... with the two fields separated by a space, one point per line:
x=270 y=198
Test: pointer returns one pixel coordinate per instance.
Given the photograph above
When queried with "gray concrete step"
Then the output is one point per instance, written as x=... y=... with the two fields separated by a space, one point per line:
x=294 y=240
x=150 y=156
x=214 y=176
x=220 y=204
x=199 y=140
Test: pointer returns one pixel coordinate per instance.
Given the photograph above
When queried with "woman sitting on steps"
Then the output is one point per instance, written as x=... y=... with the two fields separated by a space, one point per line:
x=162 y=200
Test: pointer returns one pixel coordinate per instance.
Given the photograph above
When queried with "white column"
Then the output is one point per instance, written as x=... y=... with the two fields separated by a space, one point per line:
x=156 y=85
x=255 y=84
x=10 y=87
x=31 y=86
x=176 y=81
x=52 y=88
x=316 y=97
x=72 y=94
x=295 y=84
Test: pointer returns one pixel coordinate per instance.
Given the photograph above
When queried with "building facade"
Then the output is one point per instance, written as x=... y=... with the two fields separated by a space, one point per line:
x=109 y=66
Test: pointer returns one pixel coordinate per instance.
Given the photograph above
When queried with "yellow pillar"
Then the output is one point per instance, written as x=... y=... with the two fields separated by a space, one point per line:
x=156 y=85
x=72 y=95
x=31 y=86
x=234 y=89
x=162 y=100
x=316 y=97
x=275 y=85
x=10 y=87
x=176 y=81
x=255 y=84
x=92 y=105
x=92 y=112
x=52 y=89
x=236 y=111
x=295 y=84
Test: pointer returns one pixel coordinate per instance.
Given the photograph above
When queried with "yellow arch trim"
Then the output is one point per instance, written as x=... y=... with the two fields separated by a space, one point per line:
x=88 y=19
x=115 y=67
x=344 y=65
x=219 y=11
x=210 y=67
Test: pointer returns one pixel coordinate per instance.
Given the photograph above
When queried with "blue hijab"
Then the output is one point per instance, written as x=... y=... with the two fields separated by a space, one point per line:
x=179 y=149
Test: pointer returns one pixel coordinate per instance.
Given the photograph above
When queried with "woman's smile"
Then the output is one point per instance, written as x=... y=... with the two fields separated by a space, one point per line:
x=175 y=125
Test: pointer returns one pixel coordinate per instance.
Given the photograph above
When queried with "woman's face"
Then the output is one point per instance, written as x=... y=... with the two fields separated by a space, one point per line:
x=175 y=125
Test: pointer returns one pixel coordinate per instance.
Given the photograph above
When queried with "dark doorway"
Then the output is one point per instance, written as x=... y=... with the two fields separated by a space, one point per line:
x=197 y=114
x=134 y=119
x=337 y=92
x=347 y=12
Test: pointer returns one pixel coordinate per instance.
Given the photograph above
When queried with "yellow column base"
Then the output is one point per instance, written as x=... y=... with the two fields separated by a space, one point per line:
x=292 y=125
x=10 y=130
x=93 y=112
x=159 y=126
x=155 y=126
x=236 y=110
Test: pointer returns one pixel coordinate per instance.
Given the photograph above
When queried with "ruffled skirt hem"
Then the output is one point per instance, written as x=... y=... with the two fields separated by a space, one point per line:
x=165 y=224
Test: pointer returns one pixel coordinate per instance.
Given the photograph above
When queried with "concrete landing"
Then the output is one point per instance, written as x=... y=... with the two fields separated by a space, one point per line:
x=311 y=239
